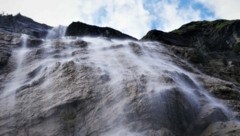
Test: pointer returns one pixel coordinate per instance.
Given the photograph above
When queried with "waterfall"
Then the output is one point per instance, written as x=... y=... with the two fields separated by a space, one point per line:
x=107 y=87
x=15 y=81
x=18 y=75
x=56 y=32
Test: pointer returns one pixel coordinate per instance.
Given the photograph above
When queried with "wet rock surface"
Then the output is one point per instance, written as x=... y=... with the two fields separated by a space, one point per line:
x=5 y=53
x=208 y=45
x=76 y=93
x=212 y=47
x=230 y=128
x=106 y=87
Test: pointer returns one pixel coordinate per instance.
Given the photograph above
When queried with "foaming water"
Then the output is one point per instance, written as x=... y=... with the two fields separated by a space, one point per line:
x=18 y=76
x=131 y=74
x=15 y=81
x=56 y=32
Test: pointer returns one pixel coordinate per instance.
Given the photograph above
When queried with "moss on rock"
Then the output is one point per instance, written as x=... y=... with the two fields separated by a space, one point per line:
x=236 y=48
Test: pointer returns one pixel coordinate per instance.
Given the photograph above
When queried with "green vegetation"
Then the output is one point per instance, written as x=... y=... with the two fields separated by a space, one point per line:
x=214 y=25
x=236 y=48
x=222 y=24
x=69 y=117
x=186 y=28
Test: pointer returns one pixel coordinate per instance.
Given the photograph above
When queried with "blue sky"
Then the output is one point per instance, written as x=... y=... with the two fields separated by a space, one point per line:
x=134 y=17
x=205 y=12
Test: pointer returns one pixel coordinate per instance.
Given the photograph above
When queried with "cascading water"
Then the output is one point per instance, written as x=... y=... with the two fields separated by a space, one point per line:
x=94 y=86
x=18 y=75
x=56 y=32
x=15 y=81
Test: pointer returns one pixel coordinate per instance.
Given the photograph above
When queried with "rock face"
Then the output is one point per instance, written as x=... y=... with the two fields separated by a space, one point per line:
x=219 y=35
x=212 y=47
x=82 y=29
x=10 y=41
x=22 y=24
x=82 y=86
x=206 y=44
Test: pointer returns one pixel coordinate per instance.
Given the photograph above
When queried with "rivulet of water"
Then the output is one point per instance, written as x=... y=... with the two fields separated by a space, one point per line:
x=18 y=76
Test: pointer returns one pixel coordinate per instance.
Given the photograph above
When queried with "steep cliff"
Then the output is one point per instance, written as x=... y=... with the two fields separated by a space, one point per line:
x=208 y=45
x=110 y=84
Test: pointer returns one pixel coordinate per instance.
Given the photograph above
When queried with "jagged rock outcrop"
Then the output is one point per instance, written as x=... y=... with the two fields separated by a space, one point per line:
x=82 y=29
x=24 y=25
x=219 y=35
x=209 y=45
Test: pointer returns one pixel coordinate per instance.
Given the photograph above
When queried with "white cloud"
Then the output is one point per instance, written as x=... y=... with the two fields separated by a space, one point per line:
x=52 y=12
x=172 y=16
x=128 y=16
x=227 y=9
x=132 y=18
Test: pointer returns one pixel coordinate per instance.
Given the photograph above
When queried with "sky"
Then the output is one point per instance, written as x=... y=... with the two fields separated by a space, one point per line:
x=133 y=17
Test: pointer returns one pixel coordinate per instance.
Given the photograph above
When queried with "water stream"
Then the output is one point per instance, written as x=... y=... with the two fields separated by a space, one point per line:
x=137 y=85
x=18 y=76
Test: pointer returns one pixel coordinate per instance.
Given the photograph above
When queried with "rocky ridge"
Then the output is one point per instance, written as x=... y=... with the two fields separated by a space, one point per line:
x=24 y=25
x=208 y=45
x=82 y=29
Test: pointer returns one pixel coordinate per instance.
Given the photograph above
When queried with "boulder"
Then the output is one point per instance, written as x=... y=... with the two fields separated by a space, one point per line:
x=209 y=114
x=170 y=109
x=229 y=128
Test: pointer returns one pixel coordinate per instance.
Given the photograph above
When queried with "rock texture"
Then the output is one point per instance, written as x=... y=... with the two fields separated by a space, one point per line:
x=209 y=45
x=79 y=92
x=83 y=86
x=212 y=47
x=22 y=24
x=82 y=29
x=10 y=41
x=230 y=128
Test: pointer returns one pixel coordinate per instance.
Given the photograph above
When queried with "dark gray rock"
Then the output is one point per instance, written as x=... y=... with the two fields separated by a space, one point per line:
x=5 y=53
x=82 y=29
x=208 y=115
x=24 y=25
x=206 y=44
x=230 y=128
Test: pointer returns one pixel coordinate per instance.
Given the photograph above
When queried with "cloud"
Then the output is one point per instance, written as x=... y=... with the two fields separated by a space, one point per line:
x=124 y=15
x=227 y=9
x=134 y=17
x=52 y=12
x=169 y=15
